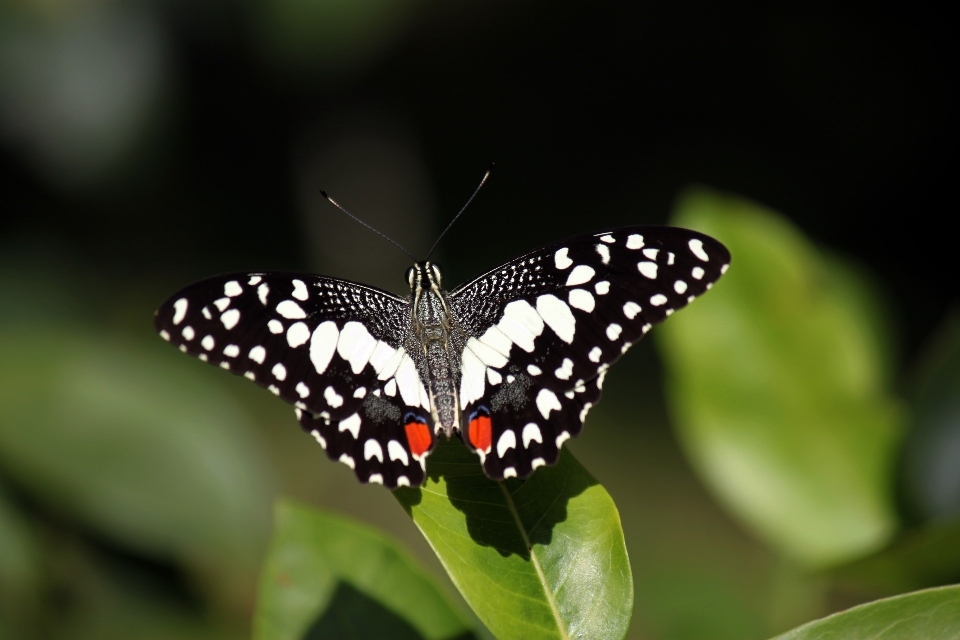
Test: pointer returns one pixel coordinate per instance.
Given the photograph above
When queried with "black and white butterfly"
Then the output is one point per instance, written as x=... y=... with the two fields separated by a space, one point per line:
x=511 y=361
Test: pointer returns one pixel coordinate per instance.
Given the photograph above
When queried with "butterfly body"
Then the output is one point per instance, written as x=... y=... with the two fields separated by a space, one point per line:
x=511 y=361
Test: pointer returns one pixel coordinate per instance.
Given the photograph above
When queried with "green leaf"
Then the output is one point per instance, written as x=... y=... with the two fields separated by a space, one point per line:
x=135 y=443
x=541 y=558
x=777 y=386
x=933 y=614
x=328 y=577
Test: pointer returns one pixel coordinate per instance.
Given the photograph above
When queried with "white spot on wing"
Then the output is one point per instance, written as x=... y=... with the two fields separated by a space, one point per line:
x=648 y=269
x=472 y=372
x=537 y=462
x=697 y=273
x=392 y=364
x=333 y=398
x=208 y=343
x=347 y=460
x=680 y=287
x=651 y=253
x=372 y=449
x=556 y=313
x=232 y=289
x=391 y=387
x=547 y=401
x=724 y=268
x=396 y=451
x=231 y=351
x=534 y=370
x=323 y=343
x=279 y=371
x=408 y=382
x=506 y=442
x=302 y=390
x=581 y=299
x=496 y=339
x=381 y=355
x=531 y=433
x=188 y=333
x=206 y=313
x=595 y=354
x=298 y=334
x=230 y=318
x=565 y=370
x=356 y=345
x=180 y=310
x=291 y=310
x=258 y=354
x=509 y=472
x=299 y=290
x=403 y=481
x=521 y=323
x=604 y=252
x=375 y=478
x=262 y=292
x=563 y=437
x=254 y=280
x=580 y=274
x=319 y=438
x=222 y=303
x=634 y=241
x=494 y=377
x=658 y=300
x=602 y=288
x=165 y=335
x=561 y=260
x=614 y=330
x=631 y=309
x=275 y=326
x=486 y=354
x=696 y=246
x=351 y=424
x=607 y=238
x=360 y=392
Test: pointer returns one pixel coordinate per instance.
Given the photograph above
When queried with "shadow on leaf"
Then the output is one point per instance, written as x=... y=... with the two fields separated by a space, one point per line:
x=510 y=516
x=353 y=614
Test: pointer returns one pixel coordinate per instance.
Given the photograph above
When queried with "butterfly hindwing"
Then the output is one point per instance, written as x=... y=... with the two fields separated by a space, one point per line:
x=329 y=347
x=545 y=327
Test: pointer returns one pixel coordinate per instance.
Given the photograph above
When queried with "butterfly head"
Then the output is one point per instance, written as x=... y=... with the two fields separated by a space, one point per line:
x=423 y=276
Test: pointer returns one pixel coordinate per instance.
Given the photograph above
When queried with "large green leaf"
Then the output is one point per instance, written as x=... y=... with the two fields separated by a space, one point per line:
x=541 y=558
x=777 y=386
x=328 y=577
x=933 y=614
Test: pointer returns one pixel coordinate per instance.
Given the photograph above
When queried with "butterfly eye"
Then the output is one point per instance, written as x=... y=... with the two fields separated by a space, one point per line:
x=436 y=272
x=409 y=274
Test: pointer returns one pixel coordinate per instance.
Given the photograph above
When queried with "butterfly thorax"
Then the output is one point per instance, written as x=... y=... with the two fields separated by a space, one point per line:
x=432 y=329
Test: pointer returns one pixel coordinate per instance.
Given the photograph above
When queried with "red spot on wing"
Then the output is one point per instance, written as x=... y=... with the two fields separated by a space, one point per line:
x=480 y=433
x=419 y=438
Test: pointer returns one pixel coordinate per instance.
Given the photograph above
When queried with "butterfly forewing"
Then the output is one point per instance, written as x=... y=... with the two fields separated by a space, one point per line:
x=545 y=327
x=333 y=349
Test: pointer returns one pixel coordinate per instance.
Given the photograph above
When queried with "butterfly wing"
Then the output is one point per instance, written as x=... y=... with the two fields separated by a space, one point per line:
x=544 y=328
x=333 y=349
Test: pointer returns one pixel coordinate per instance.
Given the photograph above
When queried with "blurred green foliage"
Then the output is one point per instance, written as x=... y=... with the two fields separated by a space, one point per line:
x=326 y=577
x=779 y=385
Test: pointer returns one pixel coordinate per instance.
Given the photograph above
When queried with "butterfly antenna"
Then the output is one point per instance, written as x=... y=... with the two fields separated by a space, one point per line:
x=379 y=233
x=475 y=192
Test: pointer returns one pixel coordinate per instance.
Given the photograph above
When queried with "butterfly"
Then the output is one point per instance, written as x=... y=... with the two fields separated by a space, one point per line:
x=512 y=361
